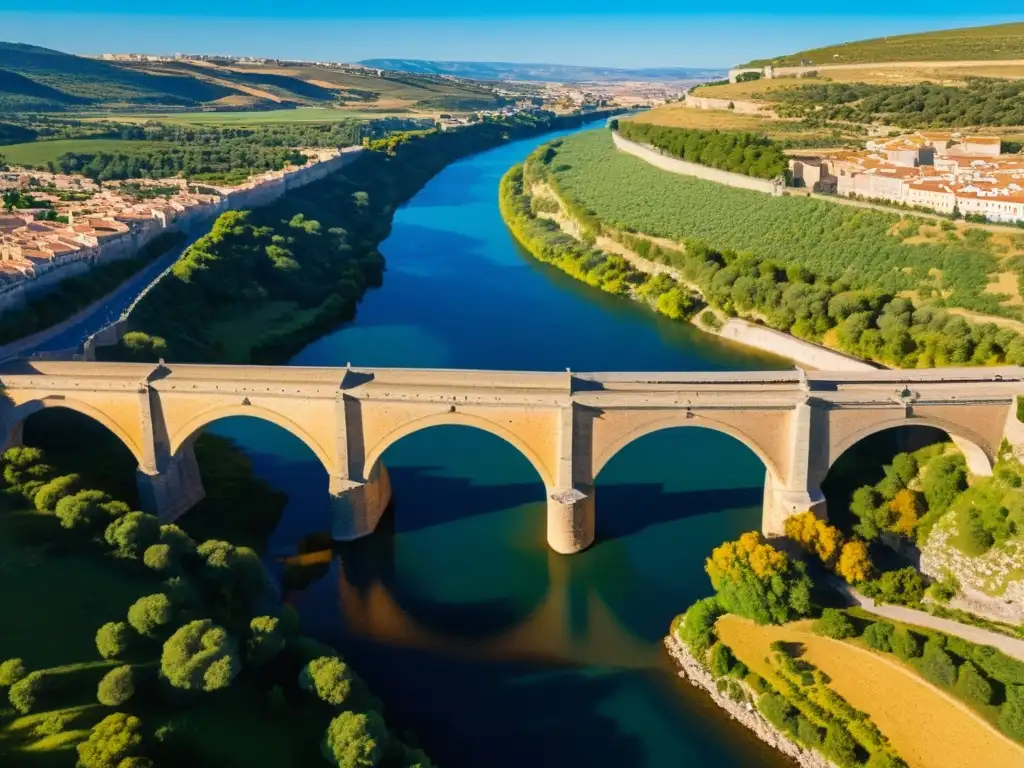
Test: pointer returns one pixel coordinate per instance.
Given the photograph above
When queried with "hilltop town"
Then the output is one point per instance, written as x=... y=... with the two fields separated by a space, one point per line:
x=940 y=171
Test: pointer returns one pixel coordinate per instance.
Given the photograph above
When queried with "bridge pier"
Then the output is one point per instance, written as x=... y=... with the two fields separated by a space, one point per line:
x=357 y=507
x=780 y=504
x=570 y=519
x=171 y=491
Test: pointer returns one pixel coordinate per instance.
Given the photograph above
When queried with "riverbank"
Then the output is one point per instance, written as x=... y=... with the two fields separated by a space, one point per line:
x=545 y=204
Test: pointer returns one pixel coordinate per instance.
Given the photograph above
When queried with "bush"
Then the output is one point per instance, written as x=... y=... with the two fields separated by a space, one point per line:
x=11 y=671
x=834 y=623
x=113 y=743
x=1011 y=714
x=329 y=678
x=902 y=587
x=972 y=685
x=778 y=712
x=839 y=744
x=200 y=656
x=149 y=613
x=158 y=558
x=113 y=639
x=116 y=687
x=906 y=644
x=235 y=573
x=878 y=635
x=854 y=564
x=266 y=640
x=698 y=626
x=179 y=542
x=48 y=495
x=24 y=694
x=132 y=534
x=882 y=759
x=721 y=660
x=807 y=733
x=937 y=665
x=355 y=740
x=81 y=511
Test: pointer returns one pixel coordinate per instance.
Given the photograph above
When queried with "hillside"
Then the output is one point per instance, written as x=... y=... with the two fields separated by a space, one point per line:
x=34 y=79
x=1001 y=42
x=553 y=73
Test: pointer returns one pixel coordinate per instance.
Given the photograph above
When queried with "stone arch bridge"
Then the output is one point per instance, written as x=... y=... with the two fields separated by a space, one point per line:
x=569 y=425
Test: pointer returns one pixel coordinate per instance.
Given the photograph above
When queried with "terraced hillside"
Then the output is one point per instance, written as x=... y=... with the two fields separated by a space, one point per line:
x=1001 y=42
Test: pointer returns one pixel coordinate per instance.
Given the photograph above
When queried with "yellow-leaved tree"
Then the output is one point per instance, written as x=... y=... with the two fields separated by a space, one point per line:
x=908 y=506
x=854 y=564
x=816 y=536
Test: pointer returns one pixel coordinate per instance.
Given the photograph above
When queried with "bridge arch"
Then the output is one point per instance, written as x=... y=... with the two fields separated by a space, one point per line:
x=607 y=453
x=457 y=419
x=204 y=418
x=22 y=412
x=976 y=449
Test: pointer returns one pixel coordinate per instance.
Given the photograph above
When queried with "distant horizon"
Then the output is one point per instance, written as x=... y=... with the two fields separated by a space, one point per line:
x=450 y=32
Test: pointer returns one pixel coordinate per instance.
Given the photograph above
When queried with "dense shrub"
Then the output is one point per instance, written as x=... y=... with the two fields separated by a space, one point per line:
x=778 y=712
x=906 y=644
x=329 y=678
x=24 y=694
x=937 y=665
x=355 y=740
x=807 y=732
x=266 y=639
x=1011 y=713
x=721 y=661
x=200 y=656
x=697 y=628
x=879 y=634
x=972 y=685
x=116 y=687
x=177 y=541
x=47 y=496
x=113 y=639
x=113 y=743
x=903 y=587
x=158 y=558
x=132 y=534
x=82 y=511
x=150 y=613
x=11 y=671
x=839 y=744
x=834 y=623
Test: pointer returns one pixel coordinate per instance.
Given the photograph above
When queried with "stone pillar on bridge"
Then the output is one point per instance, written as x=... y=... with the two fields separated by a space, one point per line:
x=169 y=485
x=798 y=491
x=571 y=501
x=357 y=502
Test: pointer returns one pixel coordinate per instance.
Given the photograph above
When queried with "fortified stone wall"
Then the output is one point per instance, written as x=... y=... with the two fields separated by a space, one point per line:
x=674 y=165
x=739 y=107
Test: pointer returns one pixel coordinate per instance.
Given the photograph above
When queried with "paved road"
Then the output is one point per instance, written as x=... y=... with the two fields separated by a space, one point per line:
x=1008 y=645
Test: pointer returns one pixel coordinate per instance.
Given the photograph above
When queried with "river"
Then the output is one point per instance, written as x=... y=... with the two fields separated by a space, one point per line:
x=495 y=650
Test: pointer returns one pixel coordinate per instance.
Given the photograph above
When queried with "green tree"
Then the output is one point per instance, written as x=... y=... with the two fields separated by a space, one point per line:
x=329 y=678
x=179 y=542
x=200 y=656
x=46 y=497
x=834 y=623
x=116 y=687
x=11 y=671
x=878 y=635
x=24 y=694
x=722 y=660
x=944 y=478
x=972 y=685
x=81 y=511
x=148 y=614
x=132 y=534
x=937 y=665
x=355 y=740
x=113 y=743
x=266 y=639
x=113 y=639
x=839 y=744
x=1011 y=713
x=235 y=575
x=906 y=644
x=158 y=558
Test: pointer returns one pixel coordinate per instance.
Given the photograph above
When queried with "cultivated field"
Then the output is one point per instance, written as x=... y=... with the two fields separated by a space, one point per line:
x=927 y=727
x=255 y=117
x=679 y=116
x=40 y=152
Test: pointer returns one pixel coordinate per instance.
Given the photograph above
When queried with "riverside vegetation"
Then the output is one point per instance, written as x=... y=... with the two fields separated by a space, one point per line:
x=754 y=580
x=157 y=646
x=821 y=272
x=264 y=283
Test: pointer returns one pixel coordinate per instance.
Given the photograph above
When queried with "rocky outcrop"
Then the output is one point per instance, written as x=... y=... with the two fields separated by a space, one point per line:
x=744 y=712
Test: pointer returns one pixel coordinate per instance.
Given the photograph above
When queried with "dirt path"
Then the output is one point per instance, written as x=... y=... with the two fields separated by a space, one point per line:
x=927 y=727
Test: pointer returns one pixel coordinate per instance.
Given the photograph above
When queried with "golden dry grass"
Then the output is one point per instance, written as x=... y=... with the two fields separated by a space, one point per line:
x=927 y=727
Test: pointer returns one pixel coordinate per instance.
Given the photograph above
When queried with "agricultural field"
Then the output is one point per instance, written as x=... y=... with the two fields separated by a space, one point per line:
x=866 y=248
x=247 y=118
x=927 y=727
x=1000 y=42
x=35 y=153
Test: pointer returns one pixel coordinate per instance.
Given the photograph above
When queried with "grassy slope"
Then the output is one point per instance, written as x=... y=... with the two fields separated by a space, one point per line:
x=927 y=728
x=39 y=152
x=995 y=43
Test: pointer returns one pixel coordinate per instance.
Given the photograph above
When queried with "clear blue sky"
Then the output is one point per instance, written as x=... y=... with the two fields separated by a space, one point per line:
x=592 y=32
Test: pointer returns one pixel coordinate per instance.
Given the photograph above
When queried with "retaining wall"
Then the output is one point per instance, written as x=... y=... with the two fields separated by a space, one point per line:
x=802 y=352
x=739 y=107
x=674 y=165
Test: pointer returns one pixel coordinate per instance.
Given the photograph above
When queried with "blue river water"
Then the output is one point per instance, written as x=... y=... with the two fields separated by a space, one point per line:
x=493 y=649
